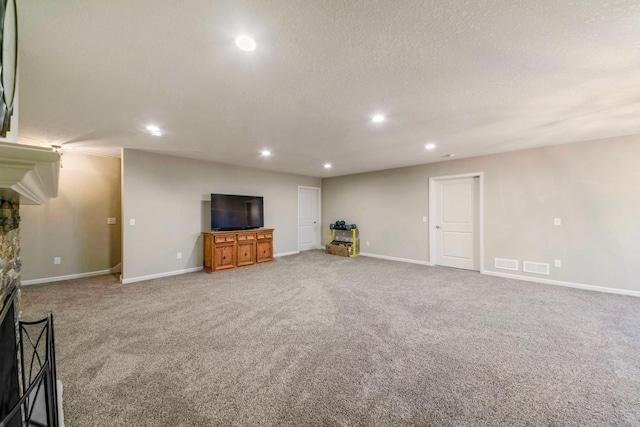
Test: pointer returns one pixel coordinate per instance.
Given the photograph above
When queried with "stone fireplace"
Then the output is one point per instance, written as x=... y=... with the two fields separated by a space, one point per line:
x=28 y=175
x=9 y=294
x=9 y=248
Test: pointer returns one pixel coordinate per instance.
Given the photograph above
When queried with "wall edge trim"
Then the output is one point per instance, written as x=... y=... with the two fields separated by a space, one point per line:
x=564 y=284
x=160 y=275
x=286 y=254
x=67 y=277
x=392 y=258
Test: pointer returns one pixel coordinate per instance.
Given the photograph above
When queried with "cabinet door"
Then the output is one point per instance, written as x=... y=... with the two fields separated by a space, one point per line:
x=225 y=256
x=246 y=252
x=208 y=251
x=265 y=250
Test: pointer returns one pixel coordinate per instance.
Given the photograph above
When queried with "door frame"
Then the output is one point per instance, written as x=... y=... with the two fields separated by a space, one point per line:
x=319 y=215
x=432 y=213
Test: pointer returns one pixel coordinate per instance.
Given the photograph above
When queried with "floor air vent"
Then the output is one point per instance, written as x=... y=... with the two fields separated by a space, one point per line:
x=506 y=264
x=535 y=267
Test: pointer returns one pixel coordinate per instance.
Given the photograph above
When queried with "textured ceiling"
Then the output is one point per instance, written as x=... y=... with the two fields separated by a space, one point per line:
x=475 y=77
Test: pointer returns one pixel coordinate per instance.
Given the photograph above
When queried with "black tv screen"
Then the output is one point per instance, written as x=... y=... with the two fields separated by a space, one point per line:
x=229 y=212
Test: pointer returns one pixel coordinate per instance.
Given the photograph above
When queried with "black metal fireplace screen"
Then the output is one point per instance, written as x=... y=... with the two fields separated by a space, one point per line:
x=38 y=404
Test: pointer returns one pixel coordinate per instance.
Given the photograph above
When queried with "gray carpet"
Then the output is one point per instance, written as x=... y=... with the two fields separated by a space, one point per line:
x=320 y=340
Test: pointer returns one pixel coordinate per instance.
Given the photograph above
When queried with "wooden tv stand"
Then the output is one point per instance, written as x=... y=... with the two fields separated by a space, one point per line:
x=225 y=250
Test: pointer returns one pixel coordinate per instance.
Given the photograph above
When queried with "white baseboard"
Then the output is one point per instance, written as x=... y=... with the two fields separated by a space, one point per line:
x=562 y=283
x=183 y=271
x=68 y=277
x=524 y=278
x=286 y=254
x=392 y=258
x=59 y=390
x=160 y=275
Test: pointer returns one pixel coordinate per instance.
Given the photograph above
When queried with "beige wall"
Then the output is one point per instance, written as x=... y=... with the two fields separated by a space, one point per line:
x=594 y=187
x=73 y=226
x=169 y=198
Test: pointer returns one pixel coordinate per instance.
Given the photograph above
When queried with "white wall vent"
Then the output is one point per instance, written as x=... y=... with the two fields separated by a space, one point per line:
x=506 y=264
x=535 y=267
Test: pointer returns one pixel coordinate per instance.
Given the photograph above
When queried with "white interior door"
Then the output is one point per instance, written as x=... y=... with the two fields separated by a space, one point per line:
x=308 y=218
x=455 y=223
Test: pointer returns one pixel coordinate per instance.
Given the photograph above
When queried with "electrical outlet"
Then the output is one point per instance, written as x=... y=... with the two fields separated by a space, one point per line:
x=57 y=260
x=424 y=219
x=557 y=221
x=557 y=263
x=179 y=255
x=111 y=220
x=132 y=222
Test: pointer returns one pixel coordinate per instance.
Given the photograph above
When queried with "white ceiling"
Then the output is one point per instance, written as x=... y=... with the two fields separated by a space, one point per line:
x=476 y=77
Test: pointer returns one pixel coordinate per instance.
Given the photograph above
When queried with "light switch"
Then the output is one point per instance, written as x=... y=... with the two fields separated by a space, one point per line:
x=132 y=222
x=111 y=220
x=424 y=219
x=557 y=221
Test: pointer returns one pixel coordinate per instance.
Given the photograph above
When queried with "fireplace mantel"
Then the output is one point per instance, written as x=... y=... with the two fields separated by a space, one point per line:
x=28 y=174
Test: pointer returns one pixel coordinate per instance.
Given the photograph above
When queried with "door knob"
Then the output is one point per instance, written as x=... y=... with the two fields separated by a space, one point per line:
x=437 y=226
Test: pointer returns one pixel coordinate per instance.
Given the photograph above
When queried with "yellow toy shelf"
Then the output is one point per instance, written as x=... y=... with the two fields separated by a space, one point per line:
x=343 y=242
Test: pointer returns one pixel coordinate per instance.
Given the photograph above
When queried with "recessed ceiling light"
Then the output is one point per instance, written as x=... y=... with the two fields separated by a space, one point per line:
x=155 y=130
x=266 y=153
x=327 y=165
x=378 y=118
x=430 y=146
x=246 y=43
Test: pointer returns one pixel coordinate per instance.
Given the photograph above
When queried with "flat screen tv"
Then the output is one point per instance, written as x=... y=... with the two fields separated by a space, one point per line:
x=230 y=212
